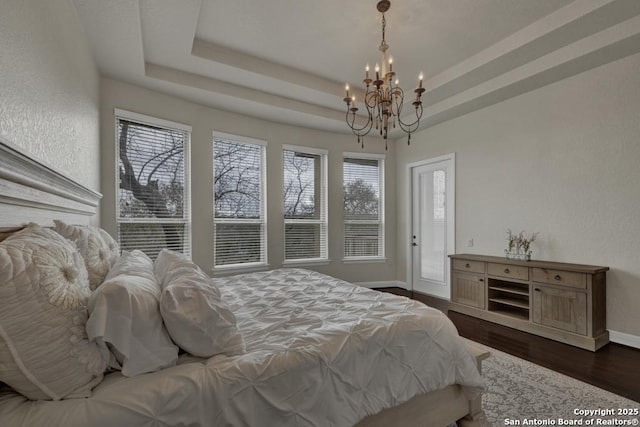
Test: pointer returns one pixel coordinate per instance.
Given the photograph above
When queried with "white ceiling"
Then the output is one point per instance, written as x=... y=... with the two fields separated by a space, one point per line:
x=288 y=60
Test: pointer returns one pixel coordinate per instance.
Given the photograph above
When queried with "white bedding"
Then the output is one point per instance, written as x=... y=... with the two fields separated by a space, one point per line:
x=320 y=352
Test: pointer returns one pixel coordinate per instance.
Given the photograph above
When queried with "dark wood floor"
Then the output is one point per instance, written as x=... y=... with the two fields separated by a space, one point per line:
x=614 y=367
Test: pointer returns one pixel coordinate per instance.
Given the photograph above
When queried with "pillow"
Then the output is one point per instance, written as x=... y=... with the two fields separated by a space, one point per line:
x=193 y=310
x=44 y=350
x=97 y=247
x=114 y=248
x=124 y=313
x=6 y=233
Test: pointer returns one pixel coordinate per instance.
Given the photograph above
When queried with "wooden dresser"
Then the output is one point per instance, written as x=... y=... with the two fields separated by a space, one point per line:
x=560 y=301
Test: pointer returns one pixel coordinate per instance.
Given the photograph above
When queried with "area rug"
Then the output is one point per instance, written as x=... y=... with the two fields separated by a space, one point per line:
x=519 y=392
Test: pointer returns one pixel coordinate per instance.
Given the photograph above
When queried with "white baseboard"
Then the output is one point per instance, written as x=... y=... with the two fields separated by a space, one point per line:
x=383 y=284
x=624 y=339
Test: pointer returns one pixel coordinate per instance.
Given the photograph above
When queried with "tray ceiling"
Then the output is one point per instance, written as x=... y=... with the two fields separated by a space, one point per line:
x=288 y=60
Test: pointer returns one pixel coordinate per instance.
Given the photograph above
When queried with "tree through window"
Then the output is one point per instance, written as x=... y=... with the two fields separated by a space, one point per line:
x=363 y=181
x=239 y=203
x=153 y=206
x=305 y=204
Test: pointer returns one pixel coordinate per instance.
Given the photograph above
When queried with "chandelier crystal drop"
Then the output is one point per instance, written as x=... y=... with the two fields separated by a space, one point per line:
x=383 y=97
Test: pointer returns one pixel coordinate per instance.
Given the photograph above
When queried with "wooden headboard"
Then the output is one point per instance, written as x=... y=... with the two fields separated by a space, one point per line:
x=31 y=191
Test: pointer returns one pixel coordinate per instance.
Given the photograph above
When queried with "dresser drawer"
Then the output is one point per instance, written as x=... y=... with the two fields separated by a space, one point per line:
x=470 y=266
x=559 y=277
x=509 y=271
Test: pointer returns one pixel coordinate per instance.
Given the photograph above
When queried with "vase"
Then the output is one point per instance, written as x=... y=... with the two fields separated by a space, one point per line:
x=518 y=256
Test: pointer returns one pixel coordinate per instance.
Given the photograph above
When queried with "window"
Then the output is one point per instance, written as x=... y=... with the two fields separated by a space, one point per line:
x=239 y=201
x=363 y=182
x=153 y=202
x=305 y=204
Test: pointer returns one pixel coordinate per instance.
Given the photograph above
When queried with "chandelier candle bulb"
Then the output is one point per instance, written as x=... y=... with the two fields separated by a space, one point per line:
x=366 y=72
x=347 y=89
x=377 y=72
x=390 y=64
x=420 y=77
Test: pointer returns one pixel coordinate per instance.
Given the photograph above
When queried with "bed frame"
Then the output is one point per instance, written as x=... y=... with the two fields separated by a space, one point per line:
x=31 y=191
x=437 y=408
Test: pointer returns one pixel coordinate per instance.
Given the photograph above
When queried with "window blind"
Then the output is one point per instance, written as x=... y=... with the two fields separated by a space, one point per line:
x=153 y=203
x=305 y=204
x=239 y=202
x=363 y=187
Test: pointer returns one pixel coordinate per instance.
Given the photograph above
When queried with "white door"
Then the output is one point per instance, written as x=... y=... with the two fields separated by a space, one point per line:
x=433 y=216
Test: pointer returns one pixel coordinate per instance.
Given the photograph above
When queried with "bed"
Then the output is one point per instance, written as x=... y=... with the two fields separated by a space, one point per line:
x=317 y=351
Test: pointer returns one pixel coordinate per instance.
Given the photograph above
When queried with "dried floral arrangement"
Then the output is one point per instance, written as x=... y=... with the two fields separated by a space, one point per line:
x=519 y=245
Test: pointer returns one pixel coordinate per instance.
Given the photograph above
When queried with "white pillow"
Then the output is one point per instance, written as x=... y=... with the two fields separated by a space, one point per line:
x=124 y=313
x=44 y=350
x=97 y=247
x=114 y=248
x=193 y=310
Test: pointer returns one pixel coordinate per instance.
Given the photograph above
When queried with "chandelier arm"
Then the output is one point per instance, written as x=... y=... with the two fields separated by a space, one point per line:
x=371 y=99
x=411 y=127
x=372 y=103
x=358 y=131
x=397 y=95
x=361 y=133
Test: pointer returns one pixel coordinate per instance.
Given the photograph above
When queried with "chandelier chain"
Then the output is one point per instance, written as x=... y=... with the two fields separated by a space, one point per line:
x=383 y=45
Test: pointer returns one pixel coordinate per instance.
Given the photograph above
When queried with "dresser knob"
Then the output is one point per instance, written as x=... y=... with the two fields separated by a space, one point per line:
x=557 y=277
x=467 y=265
x=537 y=289
x=506 y=270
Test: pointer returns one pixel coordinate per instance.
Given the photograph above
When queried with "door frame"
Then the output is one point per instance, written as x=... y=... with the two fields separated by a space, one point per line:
x=451 y=214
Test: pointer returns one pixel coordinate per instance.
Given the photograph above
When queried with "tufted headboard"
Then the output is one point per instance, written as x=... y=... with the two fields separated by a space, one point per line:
x=31 y=191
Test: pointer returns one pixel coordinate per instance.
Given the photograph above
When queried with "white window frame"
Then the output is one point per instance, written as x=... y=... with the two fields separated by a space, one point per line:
x=144 y=119
x=263 y=202
x=323 y=220
x=381 y=257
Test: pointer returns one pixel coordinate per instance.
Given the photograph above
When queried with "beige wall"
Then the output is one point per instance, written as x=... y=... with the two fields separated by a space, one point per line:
x=49 y=87
x=204 y=121
x=562 y=160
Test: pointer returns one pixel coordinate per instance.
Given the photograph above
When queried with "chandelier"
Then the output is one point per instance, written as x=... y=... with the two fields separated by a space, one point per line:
x=383 y=97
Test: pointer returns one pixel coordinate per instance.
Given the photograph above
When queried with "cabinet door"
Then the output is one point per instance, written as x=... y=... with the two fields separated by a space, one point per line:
x=468 y=289
x=560 y=308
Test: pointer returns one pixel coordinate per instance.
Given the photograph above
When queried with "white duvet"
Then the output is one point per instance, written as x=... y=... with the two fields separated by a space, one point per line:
x=320 y=352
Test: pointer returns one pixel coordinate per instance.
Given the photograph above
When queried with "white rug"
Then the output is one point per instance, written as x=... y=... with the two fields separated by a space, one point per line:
x=521 y=393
